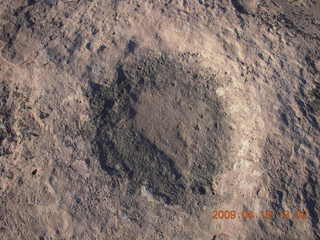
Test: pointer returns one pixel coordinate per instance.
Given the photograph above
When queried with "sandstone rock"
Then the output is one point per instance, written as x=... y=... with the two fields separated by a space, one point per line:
x=159 y=120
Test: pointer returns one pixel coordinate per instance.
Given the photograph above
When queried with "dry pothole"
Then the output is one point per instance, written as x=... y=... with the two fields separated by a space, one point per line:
x=160 y=125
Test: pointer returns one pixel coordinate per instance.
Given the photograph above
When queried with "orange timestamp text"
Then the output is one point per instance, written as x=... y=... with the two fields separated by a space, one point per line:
x=266 y=214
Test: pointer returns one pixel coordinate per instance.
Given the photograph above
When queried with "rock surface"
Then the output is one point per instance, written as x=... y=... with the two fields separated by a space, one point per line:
x=140 y=119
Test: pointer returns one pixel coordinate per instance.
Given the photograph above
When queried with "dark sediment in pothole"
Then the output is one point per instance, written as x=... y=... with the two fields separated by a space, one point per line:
x=126 y=143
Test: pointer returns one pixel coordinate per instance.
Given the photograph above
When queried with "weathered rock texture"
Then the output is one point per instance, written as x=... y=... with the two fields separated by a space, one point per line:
x=136 y=119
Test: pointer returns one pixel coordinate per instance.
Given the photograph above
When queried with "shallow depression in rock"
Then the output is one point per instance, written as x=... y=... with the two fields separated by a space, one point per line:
x=160 y=126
